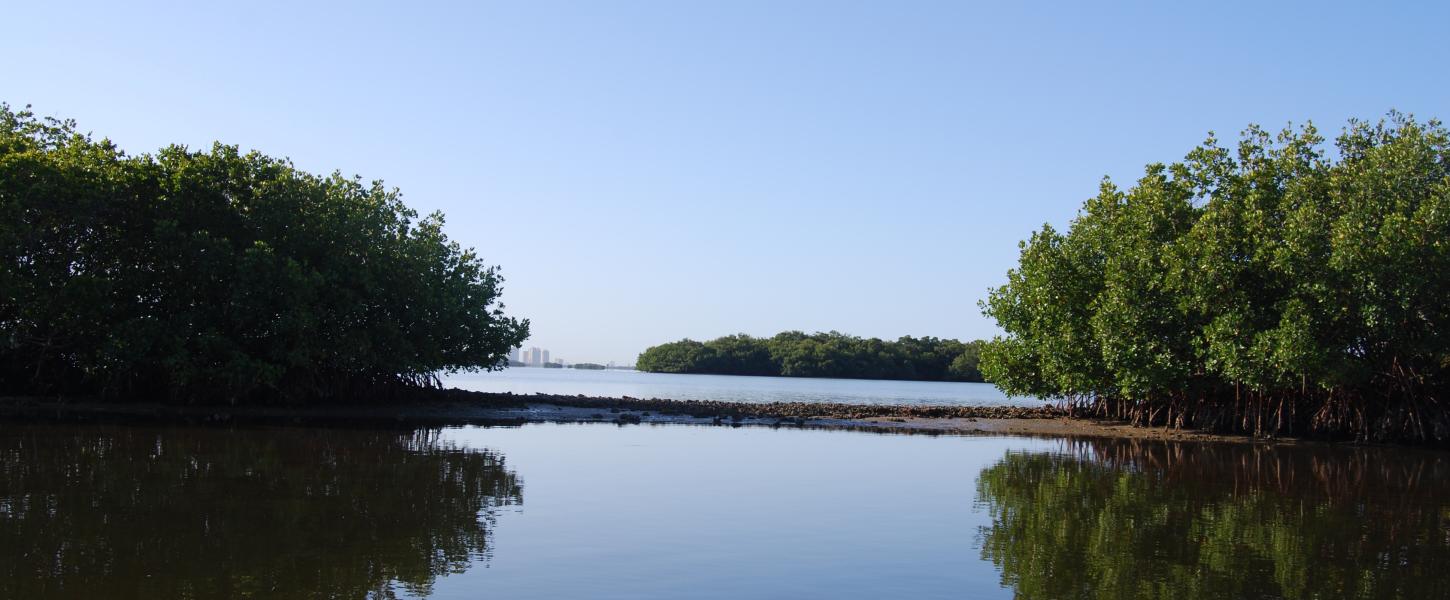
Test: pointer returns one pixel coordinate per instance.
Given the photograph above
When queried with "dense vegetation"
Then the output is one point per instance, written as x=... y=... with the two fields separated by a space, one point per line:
x=1282 y=287
x=222 y=276
x=1131 y=520
x=796 y=354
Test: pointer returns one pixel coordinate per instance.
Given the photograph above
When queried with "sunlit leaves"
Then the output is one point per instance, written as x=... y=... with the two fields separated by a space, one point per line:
x=1304 y=275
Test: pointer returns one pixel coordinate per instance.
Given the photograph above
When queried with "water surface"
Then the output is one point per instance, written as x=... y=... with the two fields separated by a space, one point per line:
x=734 y=388
x=600 y=511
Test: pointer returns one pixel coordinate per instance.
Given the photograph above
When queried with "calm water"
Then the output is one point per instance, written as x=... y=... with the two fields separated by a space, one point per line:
x=599 y=511
x=734 y=388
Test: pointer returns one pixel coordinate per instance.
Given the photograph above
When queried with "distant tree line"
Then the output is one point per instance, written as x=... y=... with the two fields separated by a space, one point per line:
x=222 y=276
x=1280 y=287
x=831 y=354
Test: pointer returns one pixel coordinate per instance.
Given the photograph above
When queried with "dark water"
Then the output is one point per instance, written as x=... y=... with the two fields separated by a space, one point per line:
x=599 y=511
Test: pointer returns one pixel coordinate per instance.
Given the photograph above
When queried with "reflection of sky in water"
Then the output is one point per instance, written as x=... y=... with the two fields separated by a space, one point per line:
x=714 y=512
x=732 y=388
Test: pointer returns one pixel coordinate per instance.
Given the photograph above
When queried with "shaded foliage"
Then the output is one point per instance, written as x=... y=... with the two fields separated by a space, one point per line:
x=1279 y=287
x=833 y=354
x=131 y=512
x=223 y=276
x=1112 y=519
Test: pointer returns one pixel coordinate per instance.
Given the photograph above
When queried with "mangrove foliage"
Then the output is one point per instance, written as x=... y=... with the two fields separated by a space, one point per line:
x=833 y=354
x=1282 y=286
x=219 y=275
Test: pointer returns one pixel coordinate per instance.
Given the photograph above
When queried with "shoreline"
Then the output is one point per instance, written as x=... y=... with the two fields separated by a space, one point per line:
x=460 y=407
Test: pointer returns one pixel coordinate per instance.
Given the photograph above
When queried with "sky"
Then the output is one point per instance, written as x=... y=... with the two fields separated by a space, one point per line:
x=643 y=172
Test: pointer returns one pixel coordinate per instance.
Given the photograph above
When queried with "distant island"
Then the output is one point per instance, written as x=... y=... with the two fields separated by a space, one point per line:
x=589 y=366
x=830 y=354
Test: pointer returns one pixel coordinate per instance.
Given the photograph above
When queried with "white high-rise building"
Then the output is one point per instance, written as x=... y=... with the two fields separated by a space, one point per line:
x=546 y=357
x=535 y=359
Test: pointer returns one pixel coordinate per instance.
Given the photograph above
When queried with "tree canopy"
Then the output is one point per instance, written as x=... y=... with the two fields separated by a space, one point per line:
x=219 y=275
x=1281 y=286
x=832 y=354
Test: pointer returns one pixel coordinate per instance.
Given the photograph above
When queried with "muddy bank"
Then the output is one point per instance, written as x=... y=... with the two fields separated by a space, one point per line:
x=458 y=407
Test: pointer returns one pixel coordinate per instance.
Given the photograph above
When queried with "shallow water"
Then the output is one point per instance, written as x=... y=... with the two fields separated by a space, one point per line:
x=734 y=388
x=600 y=511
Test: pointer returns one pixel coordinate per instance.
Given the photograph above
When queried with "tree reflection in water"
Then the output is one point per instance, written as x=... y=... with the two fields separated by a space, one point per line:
x=187 y=512
x=1125 y=519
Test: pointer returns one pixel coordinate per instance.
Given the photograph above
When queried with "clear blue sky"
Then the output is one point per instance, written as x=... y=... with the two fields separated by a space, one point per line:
x=646 y=171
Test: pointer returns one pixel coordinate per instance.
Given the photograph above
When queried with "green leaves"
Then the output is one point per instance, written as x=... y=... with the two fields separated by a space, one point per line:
x=224 y=276
x=1304 y=279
